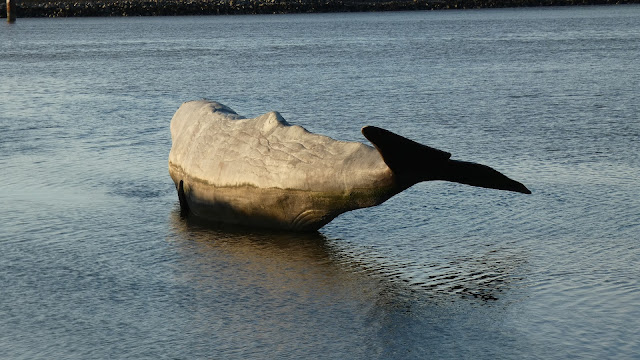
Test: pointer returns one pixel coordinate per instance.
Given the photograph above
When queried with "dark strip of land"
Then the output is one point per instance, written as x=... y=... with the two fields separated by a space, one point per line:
x=43 y=8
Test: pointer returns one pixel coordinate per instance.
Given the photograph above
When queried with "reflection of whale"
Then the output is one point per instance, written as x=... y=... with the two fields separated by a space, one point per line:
x=265 y=172
x=291 y=264
x=260 y=292
x=285 y=264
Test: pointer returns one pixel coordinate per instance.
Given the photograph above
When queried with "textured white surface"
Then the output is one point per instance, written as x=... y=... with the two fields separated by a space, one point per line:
x=265 y=172
x=213 y=144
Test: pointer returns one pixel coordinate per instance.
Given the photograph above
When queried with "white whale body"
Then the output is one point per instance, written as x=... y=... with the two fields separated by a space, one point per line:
x=264 y=172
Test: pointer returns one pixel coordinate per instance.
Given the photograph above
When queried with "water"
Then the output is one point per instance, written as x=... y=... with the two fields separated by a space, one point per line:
x=95 y=261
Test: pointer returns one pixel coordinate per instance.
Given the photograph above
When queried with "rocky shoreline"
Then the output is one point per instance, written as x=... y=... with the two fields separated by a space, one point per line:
x=83 y=8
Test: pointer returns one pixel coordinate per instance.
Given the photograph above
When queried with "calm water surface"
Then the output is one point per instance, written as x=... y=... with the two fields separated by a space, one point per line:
x=96 y=263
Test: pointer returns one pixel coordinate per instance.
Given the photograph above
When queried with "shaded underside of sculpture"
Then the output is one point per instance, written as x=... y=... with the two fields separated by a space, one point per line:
x=265 y=172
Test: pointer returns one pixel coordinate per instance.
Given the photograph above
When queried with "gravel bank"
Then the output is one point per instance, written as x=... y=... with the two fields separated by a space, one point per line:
x=222 y=7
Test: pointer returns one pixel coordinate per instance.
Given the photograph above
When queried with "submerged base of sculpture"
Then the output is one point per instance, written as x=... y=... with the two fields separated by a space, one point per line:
x=264 y=172
x=269 y=208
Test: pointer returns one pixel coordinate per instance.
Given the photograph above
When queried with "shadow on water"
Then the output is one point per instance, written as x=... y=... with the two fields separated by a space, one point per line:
x=298 y=257
x=248 y=242
x=264 y=258
x=328 y=293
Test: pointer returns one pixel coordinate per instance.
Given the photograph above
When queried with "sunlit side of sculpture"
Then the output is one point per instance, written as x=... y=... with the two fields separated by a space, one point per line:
x=264 y=172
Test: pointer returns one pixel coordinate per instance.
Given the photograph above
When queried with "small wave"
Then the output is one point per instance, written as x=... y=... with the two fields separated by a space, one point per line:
x=484 y=277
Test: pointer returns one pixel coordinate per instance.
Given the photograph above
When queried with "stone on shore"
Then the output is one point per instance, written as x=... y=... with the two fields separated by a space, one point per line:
x=44 y=8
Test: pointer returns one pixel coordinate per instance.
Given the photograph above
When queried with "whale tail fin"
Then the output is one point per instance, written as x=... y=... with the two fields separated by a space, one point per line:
x=479 y=175
x=413 y=162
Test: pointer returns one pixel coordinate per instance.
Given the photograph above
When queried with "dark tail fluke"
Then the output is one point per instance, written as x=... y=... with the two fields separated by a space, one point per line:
x=413 y=162
x=479 y=175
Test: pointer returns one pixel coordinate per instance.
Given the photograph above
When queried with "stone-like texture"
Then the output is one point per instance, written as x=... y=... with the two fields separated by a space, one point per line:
x=265 y=172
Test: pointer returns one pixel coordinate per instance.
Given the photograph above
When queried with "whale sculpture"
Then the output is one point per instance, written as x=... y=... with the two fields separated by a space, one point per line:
x=264 y=172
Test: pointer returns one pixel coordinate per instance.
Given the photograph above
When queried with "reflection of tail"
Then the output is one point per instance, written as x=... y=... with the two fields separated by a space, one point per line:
x=413 y=162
